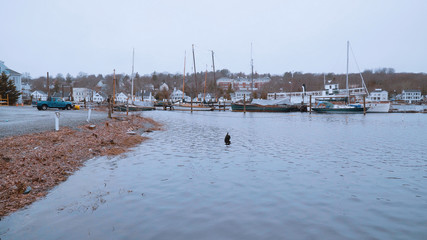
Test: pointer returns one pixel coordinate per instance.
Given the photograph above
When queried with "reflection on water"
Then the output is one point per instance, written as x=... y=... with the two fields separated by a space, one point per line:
x=284 y=176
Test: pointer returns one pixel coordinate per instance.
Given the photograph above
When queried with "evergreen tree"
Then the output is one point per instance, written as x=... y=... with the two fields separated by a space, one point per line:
x=8 y=88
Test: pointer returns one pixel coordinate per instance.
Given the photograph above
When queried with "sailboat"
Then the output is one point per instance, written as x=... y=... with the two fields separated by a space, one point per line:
x=339 y=103
x=136 y=105
x=182 y=106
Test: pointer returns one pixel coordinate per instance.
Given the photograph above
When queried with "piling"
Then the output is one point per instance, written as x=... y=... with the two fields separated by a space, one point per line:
x=191 y=104
x=310 y=104
x=364 y=105
x=127 y=107
x=244 y=103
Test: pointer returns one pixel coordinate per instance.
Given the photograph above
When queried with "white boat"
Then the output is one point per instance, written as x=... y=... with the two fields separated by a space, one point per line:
x=378 y=107
x=144 y=103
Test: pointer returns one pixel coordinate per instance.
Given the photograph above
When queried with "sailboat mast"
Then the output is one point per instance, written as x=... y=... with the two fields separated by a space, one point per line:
x=252 y=71
x=204 y=89
x=346 y=76
x=183 y=80
x=195 y=72
x=133 y=60
x=213 y=67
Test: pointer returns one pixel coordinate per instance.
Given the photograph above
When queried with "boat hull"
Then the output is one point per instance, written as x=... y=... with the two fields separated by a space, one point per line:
x=378 y=107
x=260 y=108
x=338 y=110
x=195 y=107
x=121 y=108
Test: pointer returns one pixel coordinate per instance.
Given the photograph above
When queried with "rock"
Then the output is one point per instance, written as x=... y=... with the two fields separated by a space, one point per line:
x=28 y=190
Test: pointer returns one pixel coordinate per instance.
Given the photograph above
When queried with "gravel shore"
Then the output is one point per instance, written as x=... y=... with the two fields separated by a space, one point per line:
x=15 y=121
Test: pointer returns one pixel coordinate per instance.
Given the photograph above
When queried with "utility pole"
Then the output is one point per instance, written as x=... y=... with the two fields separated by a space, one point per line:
x=47 y=85
x=133 y=60
x=114 y=85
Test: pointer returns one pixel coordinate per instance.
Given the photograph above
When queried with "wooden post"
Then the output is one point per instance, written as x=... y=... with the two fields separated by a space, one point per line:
x=109 y=107
x=114 y=90
x=364 y=105
x=127 y=107
x=244 y=103
x=191 y=104
x=114 y=85
x=310 y=104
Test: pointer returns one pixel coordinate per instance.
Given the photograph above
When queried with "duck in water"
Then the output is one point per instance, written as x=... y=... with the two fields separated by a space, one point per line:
x=227 y=139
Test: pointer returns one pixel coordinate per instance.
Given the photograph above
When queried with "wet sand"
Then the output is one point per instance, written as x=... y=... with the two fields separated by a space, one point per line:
x=40 y=161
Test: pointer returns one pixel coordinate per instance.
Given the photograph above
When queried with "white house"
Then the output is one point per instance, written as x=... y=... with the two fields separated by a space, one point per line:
x=81 y=94
x=176 y=95
x=164 y=87
x=99 y=97
x=410 y=96
x=378 y=95
x=121 y=97
x=39 y=95
x=14 y=76
x=207 y=97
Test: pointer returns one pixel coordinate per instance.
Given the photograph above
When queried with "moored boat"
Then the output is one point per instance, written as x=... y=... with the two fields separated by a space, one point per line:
x=132 y=108
x=192 y=107
x=328 y=107
x=261 y=105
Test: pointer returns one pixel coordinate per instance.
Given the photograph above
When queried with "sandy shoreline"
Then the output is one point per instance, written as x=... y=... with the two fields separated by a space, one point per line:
x=43 y=160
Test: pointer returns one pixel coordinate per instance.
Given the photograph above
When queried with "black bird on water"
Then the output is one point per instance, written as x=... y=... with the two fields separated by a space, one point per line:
x=227 y=139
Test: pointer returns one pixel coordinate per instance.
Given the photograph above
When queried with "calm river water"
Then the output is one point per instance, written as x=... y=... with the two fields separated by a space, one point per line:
x=284 y=176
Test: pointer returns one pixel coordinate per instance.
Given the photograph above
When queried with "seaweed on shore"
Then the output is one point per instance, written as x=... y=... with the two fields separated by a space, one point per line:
x=43 y=160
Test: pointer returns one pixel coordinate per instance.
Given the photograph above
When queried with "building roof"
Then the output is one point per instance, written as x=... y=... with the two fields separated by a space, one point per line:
x=13 y=72
x=411 y=90
x=39 y=91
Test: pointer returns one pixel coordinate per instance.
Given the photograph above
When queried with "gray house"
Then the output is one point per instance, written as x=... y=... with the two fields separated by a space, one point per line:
x=14 y=76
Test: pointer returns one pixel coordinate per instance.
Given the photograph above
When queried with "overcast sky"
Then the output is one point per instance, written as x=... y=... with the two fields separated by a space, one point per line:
x=63 y=36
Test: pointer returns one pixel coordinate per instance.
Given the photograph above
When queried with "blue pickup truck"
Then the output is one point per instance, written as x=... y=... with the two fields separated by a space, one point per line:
x=54 y=102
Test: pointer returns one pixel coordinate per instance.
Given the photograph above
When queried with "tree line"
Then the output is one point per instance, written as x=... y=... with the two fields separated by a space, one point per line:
x=385 y=78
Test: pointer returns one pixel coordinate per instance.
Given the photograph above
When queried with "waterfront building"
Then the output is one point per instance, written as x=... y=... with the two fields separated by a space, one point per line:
x=239 y=95
x=176 y=95
x=241 y=84
x=14 y=76
x=378 y=95
x=411 y=96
